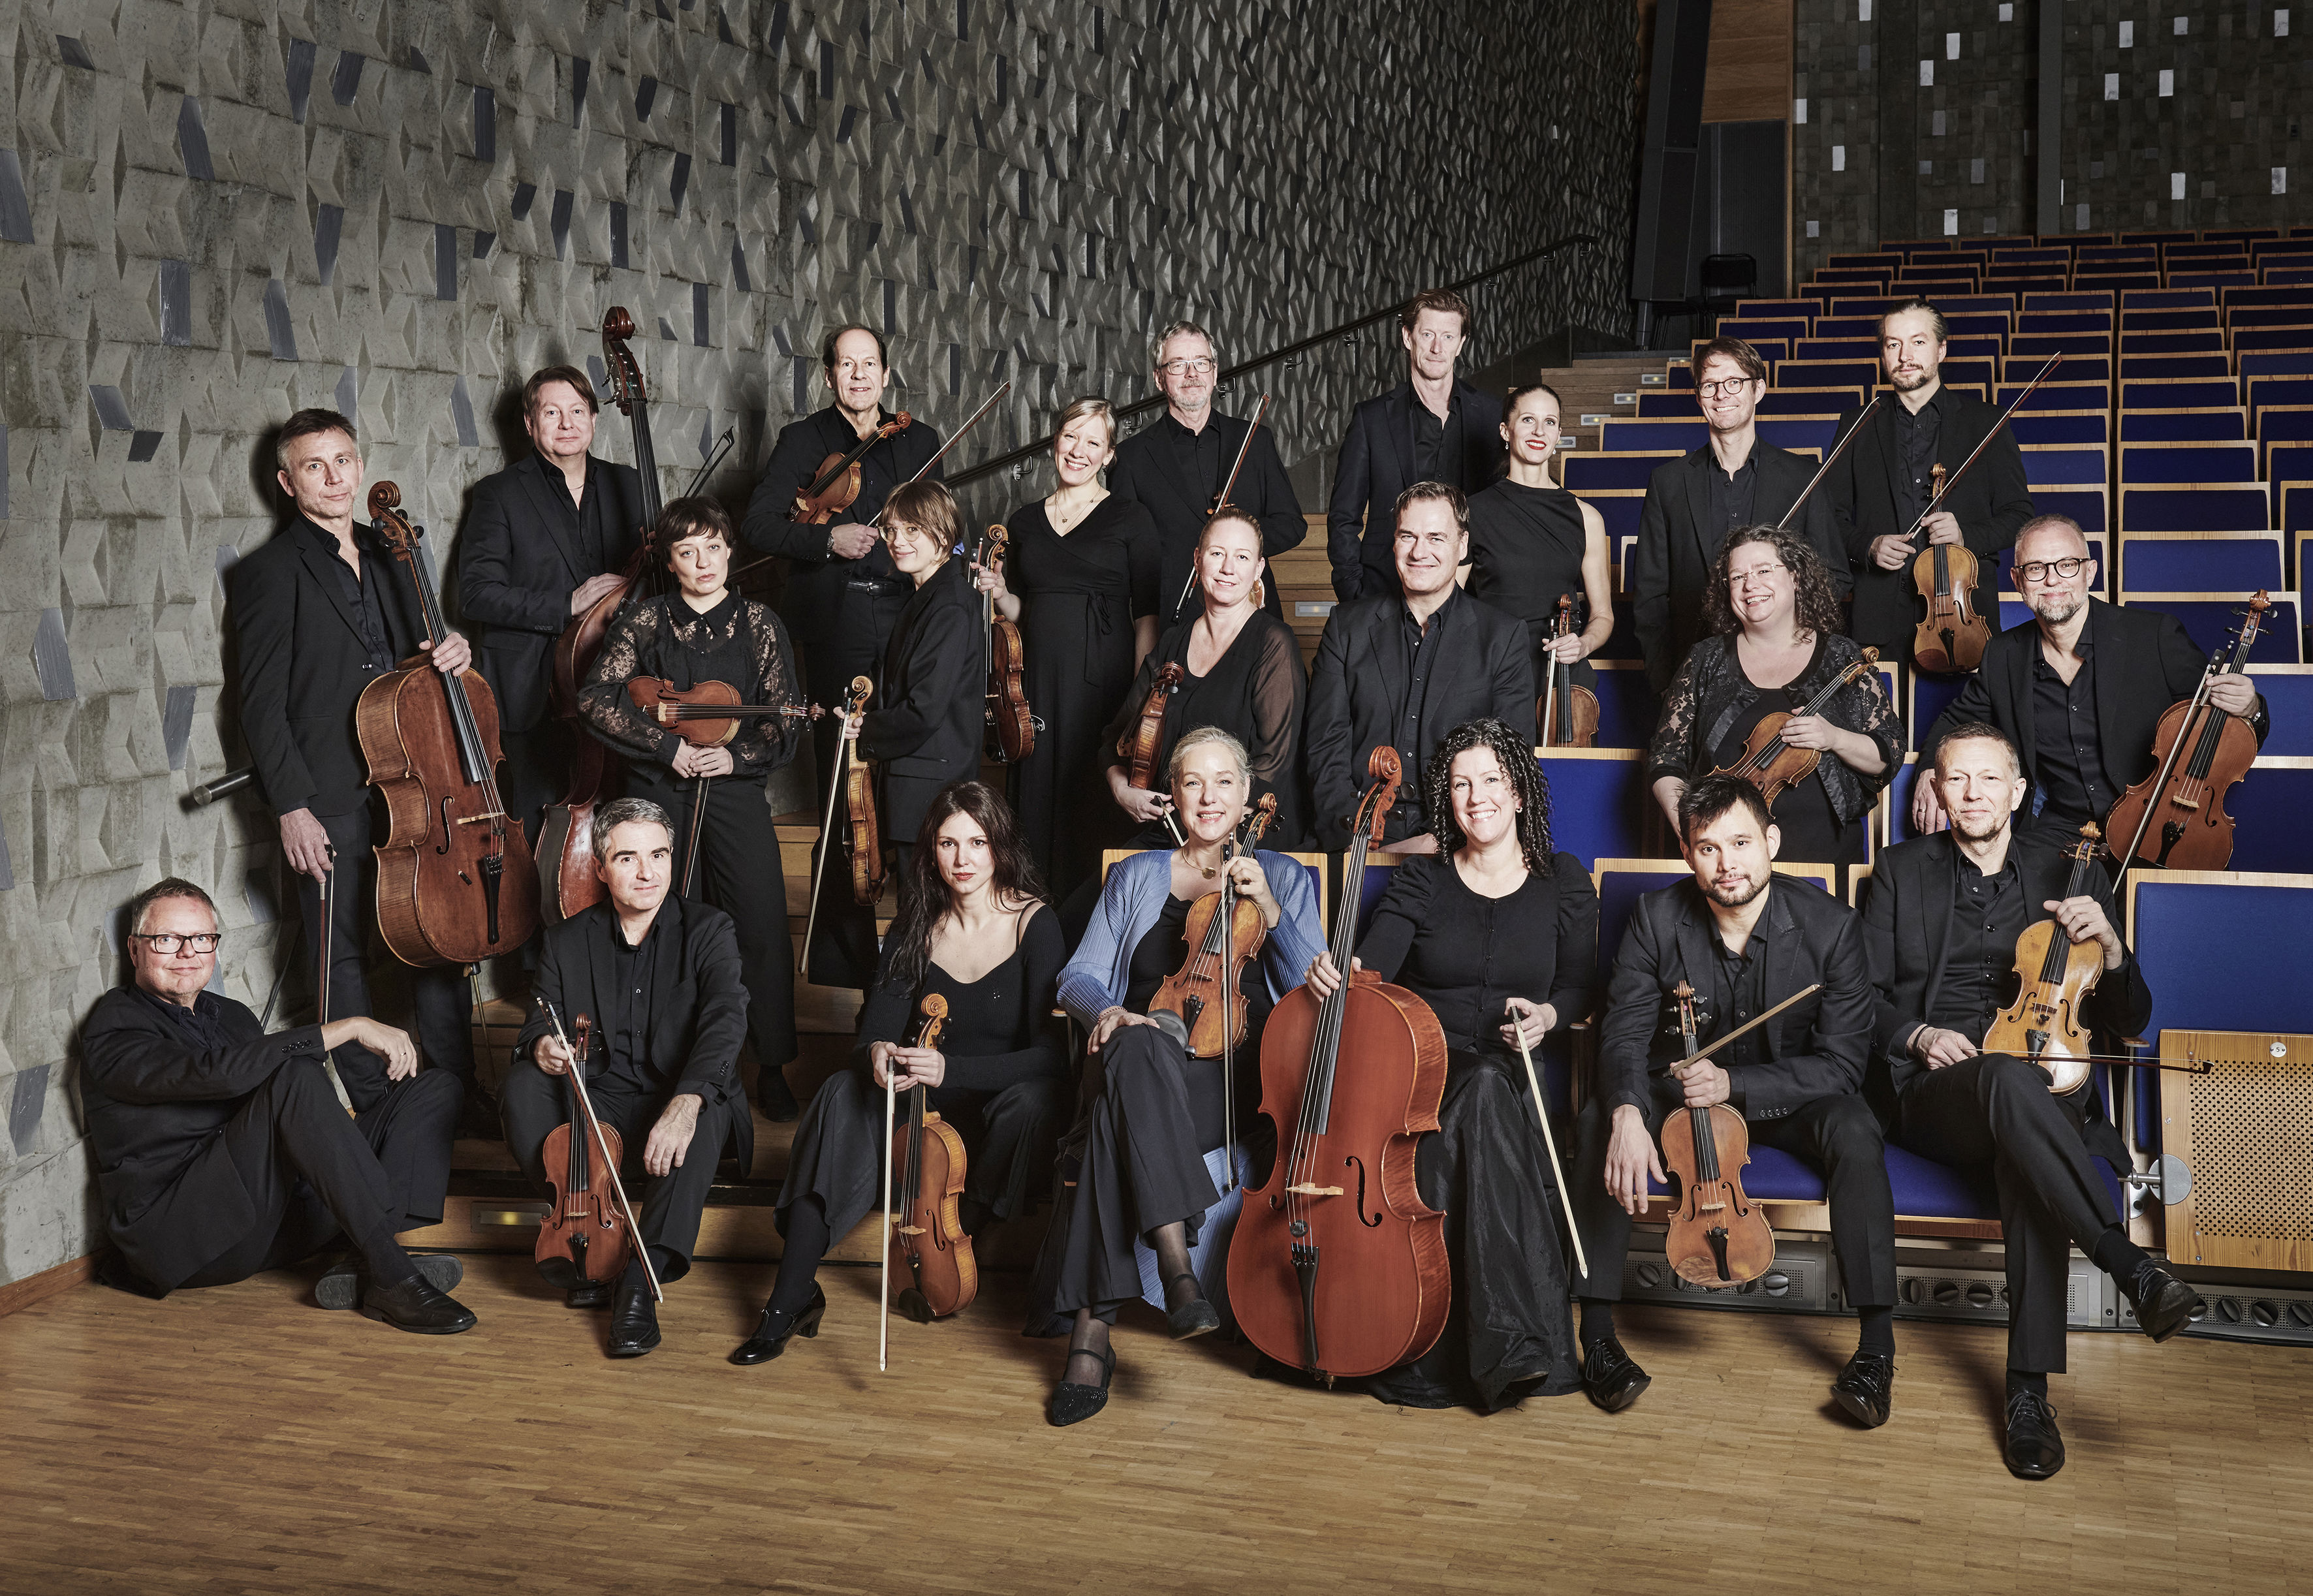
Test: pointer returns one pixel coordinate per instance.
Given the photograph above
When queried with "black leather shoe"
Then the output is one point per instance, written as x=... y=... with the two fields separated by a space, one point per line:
x=634 y=1323
x=341 y=1285
x=416 y=1305
x=2036 y=1449
x=1866 y=1388
x=1194 y=1317
x=1072 y=1403
x=590 y=1293
x=1610 y=1377
x=772 y=1337
x=775 y=1098
x=2164 y=1304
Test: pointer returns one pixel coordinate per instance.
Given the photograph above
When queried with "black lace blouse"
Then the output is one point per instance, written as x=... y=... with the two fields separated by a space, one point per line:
x=738 y=641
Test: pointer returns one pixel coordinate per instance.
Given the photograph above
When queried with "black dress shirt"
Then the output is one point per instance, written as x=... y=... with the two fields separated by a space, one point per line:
x=1416 y=649
x=1429 y=435
x=203 y=1023
x=1988 y=915
x=361 y=591
x=1193 y=457
x=636 y=997
x=2067 y=750
x=1732 y=494
x=1916 y=433
x=581 y=522
x=1738 y=984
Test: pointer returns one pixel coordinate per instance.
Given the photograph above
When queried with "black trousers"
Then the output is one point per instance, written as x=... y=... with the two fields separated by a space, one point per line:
x=444 y=1004
x=739 y=873
x=536 y=772
x=1837 y=1133
x=846 y=644
x=1996 y=1109
x=314 y=1174
x=667 y=1207
x=1009 y=1137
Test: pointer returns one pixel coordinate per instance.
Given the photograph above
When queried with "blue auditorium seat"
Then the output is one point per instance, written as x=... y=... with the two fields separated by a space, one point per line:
x=1620 y=509
x=2200 y=340
x=2174 y=395
x=1866 y=348
x=2072 y=345
x=2060 y=427
x=1588 y=473
x=2201 y=562
x=2187 y=462
x=2275 y=362
x=2264 y=392
x=2167 y=299
x=1898 y=799
x=2288 y=692
x=2248 y=340
x=2154 y=368
x=1622 y=435
x=1752 y=329
x=2037 y=323
x=1810 y=402
x=1596 y=800
x=2057 y=465
x=1827 y=373
x=2085 y=506
x=2017 y=370
x=1997 y=324
x=2210 y=617
x=2137 y=319
x=2182 y=426
x=1799 y=434
x=1379 y=869
x=2268 y=810
x=1628 y=709
x=1930 y=696
x=2066 y=397
x=2228 y=509
x=2209 y=970
x=1865 y=328
x=1655 y=404
x=2096 y=300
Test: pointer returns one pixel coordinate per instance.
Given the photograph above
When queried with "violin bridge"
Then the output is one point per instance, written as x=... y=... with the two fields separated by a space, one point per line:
x=1711 y=1207
x=907 y=1229
x=1306 y=1189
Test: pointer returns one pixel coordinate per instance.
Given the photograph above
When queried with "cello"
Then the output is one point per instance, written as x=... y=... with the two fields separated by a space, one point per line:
x=455 y=880
x=1568 y=715
x=2199 y=752
x=1338 y=1268
x=1011 y=726
x=2042 y=1025
x=1953 y=634
x=588 y=1234
x=928 y=1268
x=1718 y=1237
x=1773 y=765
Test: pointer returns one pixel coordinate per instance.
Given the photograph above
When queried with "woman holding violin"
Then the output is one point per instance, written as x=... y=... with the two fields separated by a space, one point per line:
x=1152 y=1139
x=1240 y=671
x=1082 y=584
x=1774 y=648
x=725 y=842
x=972 y=928
x=1499 y=934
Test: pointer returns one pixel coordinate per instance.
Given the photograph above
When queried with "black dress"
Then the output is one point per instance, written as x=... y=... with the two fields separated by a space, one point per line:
x=1509 y=1332
x=1525 y=550
x=1254 y=692
x=1079 y=595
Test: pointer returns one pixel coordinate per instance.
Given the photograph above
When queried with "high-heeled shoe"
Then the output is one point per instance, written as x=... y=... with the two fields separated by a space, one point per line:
x=769 y=1340
x=1073 y=1403
x=1194 y=1317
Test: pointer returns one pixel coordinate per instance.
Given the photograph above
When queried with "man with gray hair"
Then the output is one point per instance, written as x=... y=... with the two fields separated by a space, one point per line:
x=1177 y=465
x=659 y=976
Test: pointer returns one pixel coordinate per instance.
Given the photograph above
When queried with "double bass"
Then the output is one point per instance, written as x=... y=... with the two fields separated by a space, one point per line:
x=1773 y=765
x=928 y=1268
x=1568 y=715
x=2042 y=1025
x=1011 y=726
x=455 y=880
x=1338 y=1268
x=2199 y=751
x=1953 y=634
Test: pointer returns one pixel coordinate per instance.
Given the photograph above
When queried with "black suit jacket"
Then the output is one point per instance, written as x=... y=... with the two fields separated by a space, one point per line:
x=1356 y=702
x=516 y=568
x=2145 y=662
x=1817 y=1048
x=934 y=688
x=696 y=1030
x=1907 y=910
x=1992 y=503
x=1377 y=465
x=304 y=664
x=1671 y=563
x=154 y=1102
x=1143 y=471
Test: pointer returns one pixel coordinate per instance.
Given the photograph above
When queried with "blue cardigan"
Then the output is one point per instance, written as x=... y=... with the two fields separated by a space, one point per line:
x=1133 y=898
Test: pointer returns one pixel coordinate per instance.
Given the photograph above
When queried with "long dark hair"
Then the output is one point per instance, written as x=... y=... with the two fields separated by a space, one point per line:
x=1817 y=607
x=924 y=900
x=1527 y=780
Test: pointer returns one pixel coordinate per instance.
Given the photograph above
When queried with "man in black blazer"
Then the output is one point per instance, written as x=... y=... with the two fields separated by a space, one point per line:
x=659 y=976
x=1432 y=427
x=1744 y=940
x=543 y=540
x=1942 y=917
x=221 y=1151
x=1405 y=670
x=1694 y=502
x=843 y=597
x=2080 y=692
x=318 y=614
x=1177 y=465
x=1879 y=489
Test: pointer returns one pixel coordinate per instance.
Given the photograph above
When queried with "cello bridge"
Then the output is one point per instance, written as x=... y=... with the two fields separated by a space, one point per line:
x=483 y=819
x=1306 y=1189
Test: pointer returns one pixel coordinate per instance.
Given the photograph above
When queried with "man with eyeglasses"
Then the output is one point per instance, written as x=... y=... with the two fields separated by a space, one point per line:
x=1176 y=467
x=222 y=1151
x=1432 y=427
x=2081 y=690
x=1881 y=488
x=1694 y=502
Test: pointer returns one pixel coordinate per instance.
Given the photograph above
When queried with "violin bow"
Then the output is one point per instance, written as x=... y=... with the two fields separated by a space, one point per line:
x=1750 y=1025
x=1829 y=461
x=1992 y=432
x=1228 y=488
x=1228 y=1026
x=970 y=422
x=835 y=785
x=883 y=1296
x=609 y=1165
x=321 y=1001
x=1549 y=1141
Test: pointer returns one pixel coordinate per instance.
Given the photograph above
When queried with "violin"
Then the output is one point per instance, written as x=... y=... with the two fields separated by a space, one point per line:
x=455 y=880
x=1773 y=765
x=1011 y=727
x=1337 y=1267
x=1718 y=1238
x=1568 y=715
x=1953 y=635
x=1216 y=959
x=584 y=1237
x=2042 y=1025
x=928 y=1268
x=2199 y=752
x=1138 y=747
x=706 y=715
x=867 y=836
x=834 y=487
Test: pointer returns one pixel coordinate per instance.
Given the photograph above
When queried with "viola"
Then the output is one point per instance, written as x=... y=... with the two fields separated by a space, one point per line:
x=455 y=880
x=1568 y=715
x=1138 y=748
x=1337 y=1267
x=928 y=1268
x=706 y=715
x=2199 y=751
x=1200 y=991
x=834 y=485
x=1773 y=765
x=868 y=868
x=1953 y=634
x=1011 y=726
x=588 y=1234
x=852 y=782
x=2042 y=1025
x=1718 y=1238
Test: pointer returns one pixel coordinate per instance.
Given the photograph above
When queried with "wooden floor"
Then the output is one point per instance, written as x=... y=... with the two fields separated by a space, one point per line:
x=239 y=1440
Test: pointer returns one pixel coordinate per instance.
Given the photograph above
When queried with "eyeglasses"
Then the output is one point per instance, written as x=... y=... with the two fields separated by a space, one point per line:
x=2062 y=570
x=165 y=943
x=1761 y=574
x=1722 y=385
x=1187 y=368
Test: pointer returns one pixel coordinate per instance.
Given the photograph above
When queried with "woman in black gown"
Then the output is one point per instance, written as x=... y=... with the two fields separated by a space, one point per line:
x=1774 y=643
x=1531 y=540
x=1082 y=584
x=1241 y=670
x=972 y=928
x=1494 y=924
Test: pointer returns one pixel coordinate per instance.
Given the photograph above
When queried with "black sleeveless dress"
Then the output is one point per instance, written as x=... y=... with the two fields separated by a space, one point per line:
x=1525 y=549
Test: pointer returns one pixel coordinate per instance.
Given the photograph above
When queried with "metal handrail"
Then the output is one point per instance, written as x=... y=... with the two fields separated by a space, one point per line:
x=1042 y=445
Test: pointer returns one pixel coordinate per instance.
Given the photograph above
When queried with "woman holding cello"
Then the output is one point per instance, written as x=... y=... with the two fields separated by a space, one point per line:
x=1152 y=1114
x=972 y=928
x=1494 y=924
x=1774 y=646
x=726 y=849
